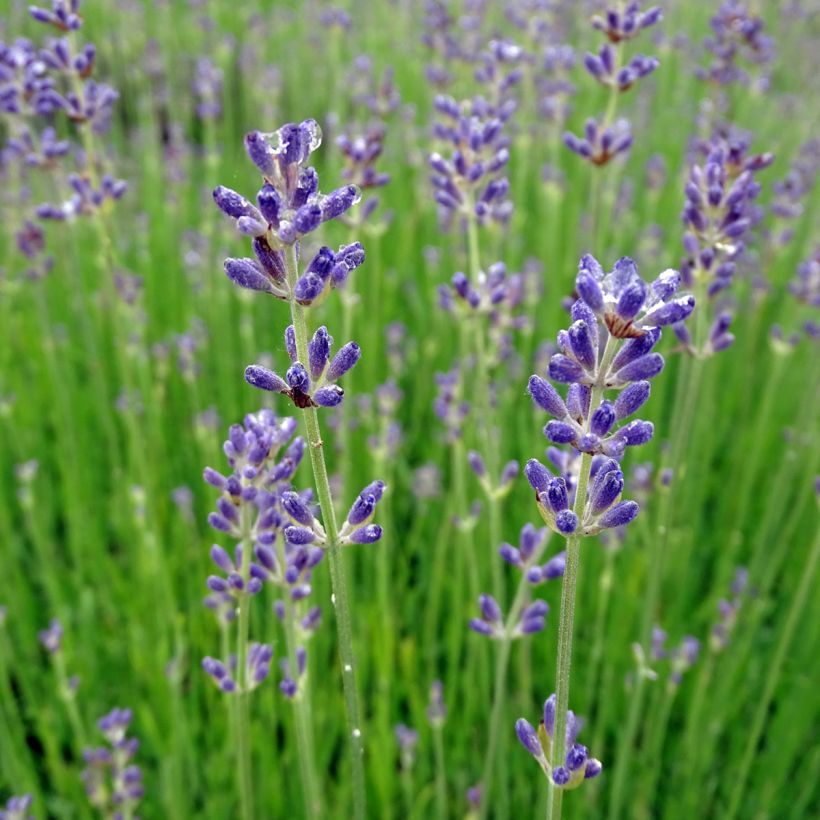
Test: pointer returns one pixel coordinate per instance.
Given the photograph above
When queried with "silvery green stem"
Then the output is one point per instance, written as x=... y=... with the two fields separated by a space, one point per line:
x=441 y=782
x=565 y=627
x=485 y=409
x=301 y=715
x=567 y=617
x=687 y=392
x=242 y=716
x=772 y=679
x=337 y=574
x=67 y=696
x=500 y=691
x=604 y=593
x=626 y=744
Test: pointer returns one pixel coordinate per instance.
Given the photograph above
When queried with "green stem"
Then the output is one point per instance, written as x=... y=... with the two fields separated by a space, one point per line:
x=441 y=782
x=625 y=747
x=242 y=712
x=567 y=618
x=653 y=758
x=301 y=713
x=500 y=691
x=565 y=627
x=337 y=573
x=485 y=412
x=772 y=678
x=67 y=696
x=687 y=392
x=604 y=593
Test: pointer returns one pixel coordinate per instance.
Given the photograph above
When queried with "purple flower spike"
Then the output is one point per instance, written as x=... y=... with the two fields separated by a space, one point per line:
x=265 y=379
x=329 y=396
x=261 y=153
x=561 y=776
x=592 y=769
x=538 y=475
x=645 y=367
x=319 y=352
x=576 y=757
x=559 y=432
x=566 y=522
x=631 y=399
x=546 y=397
x=490 y=610
x=343 y=361
x=366 y=535
x=554 y=568
x=248 y=274
x=529 y=738
x=620 y=515
x=564 y=369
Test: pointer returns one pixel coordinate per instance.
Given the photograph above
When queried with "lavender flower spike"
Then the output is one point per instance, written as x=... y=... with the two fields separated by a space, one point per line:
x=577 y=764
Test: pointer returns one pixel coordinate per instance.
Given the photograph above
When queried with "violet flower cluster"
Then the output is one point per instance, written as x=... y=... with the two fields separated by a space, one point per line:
x=791 y=192
x=263 y=456
x=728 y=609
x=528 y=618
x=16 y=808
x=40 y=82
x=497 y=294
x=680 y=658
x=113 y=782
x=578 y=765
x=720 y=211
x=84 y=100
x=314 y=386
x=603 y=140
x=737 y=36
x=471 y=182
x=616 y=322
x=288 y=207
x=362 y=145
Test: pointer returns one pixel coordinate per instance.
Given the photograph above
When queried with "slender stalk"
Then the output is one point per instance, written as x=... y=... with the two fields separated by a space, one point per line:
x=772 y=679
x=67 y=696
x=441 y=782
x=565 y=627
x=338 y=583
x=567 y=618
x=687 y=393
x=658 y=729
x=242 y=712
x=605 y=582
x=625 y=747
x=500 y=691
x=301 y=716
x=484 y=411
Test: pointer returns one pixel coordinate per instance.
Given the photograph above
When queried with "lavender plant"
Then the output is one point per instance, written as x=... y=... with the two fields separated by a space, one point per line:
x=254 y=508
x=289 y=208
x=576 y=765
x=16 y=808
x=525 y=617
x=113 y=782
x=608 y=347
x=719 y=211
x=605 y=139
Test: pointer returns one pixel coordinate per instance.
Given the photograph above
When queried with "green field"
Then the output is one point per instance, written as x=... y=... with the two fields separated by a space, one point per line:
x=121 y=370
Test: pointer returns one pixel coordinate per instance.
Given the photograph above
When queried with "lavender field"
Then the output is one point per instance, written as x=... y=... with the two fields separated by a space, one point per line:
x=409 y=409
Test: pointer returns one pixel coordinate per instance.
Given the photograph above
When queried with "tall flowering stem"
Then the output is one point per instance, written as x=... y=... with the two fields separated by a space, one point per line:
x=290 y=207
x=608 y=346
x=524 y=618
x=337 y=573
